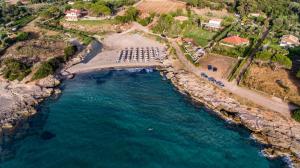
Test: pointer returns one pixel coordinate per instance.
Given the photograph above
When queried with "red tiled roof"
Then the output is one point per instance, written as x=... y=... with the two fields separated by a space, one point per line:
x=77 y=11
x=235 y=40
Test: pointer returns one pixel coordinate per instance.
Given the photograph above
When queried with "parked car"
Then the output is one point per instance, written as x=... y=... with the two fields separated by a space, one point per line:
x=209 y=67
x=220 y=83
x=215 y=69
x=204 y=75
x=212 y=79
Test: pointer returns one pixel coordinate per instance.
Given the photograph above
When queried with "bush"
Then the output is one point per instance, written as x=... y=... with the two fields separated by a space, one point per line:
x=298 y=74
x=264 y=55
x=22 y=36
x=47 y=68
x=131 y=14
x=283 y=60
x=232 y=52
x=15 y=69
x=145 y=21
x=69 y=51
x=296 y=115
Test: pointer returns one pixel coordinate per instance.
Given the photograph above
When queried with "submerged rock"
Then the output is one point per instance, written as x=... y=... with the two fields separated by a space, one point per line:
x=47 y=135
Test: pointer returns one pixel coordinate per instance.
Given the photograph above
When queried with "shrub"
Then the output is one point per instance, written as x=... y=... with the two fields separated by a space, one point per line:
x=69 y=51
x=298 y=74
x=22 y=36
x=283 y=60
x=47 y=68
x=131 y=14
x=145 y=21
x=296 y=115
x=264 y=55
x=15 y=69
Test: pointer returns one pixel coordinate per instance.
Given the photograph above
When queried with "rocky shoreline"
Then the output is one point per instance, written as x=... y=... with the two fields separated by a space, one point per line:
x=18 y=100
x=279 y=134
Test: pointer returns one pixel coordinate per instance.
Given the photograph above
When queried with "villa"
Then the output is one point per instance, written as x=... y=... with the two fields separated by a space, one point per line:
x=73 y=14
x=289 y=41
x=214 y=24
x=234 y=41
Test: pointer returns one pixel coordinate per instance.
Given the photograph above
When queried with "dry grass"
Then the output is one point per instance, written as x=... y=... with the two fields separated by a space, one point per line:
x=264 y=79
x=159 y=6
x=209 y=13
x=223 y=63
x=90 y=26
x=12 y=1
x=31 y=27
x=36 y=50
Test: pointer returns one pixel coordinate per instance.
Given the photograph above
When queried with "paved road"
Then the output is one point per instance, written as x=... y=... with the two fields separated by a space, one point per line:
x=255 y=97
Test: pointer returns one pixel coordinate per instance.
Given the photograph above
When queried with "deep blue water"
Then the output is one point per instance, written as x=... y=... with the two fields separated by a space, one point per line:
x=121 y=119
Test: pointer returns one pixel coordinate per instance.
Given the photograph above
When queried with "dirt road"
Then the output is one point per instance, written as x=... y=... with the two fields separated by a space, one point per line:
x=257 y=98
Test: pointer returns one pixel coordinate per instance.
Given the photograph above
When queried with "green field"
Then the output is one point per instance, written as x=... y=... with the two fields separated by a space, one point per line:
x=200 y=36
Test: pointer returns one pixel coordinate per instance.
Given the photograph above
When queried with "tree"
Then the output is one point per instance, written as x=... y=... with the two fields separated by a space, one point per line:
x=69 y=51
x=298 y=74
x=282 y=60
x=296 y=115
x=22 y=36
x=164 y=23
x=131 y=14
x=100 y=9
x=264 y=55
x=15 y=69
x=50 y=12
x=228 y=20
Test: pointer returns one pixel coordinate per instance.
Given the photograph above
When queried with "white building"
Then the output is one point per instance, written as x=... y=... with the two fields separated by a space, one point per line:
x=214 y=24
x=73 y=14
x=289 y=41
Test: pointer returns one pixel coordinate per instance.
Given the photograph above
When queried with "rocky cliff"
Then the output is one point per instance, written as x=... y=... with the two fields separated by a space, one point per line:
x=280 y=135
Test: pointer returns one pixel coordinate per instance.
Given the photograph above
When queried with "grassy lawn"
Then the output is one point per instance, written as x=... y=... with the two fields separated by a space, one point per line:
x=200 y=36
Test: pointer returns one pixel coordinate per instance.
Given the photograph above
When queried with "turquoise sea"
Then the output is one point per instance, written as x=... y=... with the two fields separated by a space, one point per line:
x=126 y=119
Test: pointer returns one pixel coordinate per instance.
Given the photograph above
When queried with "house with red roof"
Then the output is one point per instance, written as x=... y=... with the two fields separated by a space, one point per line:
x=234 y=41
x=73 y=14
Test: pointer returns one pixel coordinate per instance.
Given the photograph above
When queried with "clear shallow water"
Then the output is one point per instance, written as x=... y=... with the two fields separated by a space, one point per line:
x=121 y=119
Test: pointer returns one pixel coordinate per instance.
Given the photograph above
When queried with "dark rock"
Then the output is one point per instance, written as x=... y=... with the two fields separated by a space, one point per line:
x=46 y=135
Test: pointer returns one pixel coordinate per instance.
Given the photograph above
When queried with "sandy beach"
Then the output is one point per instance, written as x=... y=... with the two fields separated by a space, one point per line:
x=110 y=49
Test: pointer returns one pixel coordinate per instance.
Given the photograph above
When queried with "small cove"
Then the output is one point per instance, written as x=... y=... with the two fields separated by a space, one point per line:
x=131 y=119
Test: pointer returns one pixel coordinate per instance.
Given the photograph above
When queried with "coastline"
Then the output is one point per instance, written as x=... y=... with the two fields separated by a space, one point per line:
x=20 y=100
x=267 y=127
x=277 y=132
